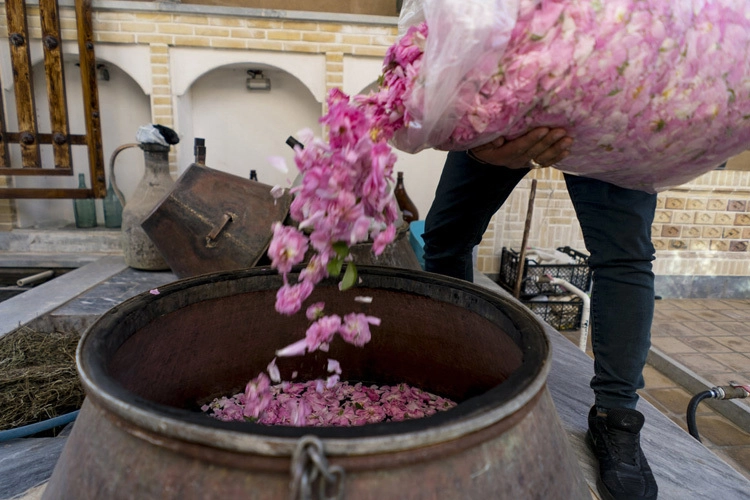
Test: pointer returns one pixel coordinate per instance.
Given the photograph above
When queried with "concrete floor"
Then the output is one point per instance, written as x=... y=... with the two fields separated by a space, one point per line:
x=698 y=344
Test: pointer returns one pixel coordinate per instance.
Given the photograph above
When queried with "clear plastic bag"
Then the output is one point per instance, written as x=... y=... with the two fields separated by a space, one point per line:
x=654 y=92
x=149 y=134
x=411 y=14
x=467 y=37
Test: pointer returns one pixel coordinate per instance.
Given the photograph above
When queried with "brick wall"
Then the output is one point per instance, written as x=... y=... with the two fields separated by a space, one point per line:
x=7 y=215
x=701 y=228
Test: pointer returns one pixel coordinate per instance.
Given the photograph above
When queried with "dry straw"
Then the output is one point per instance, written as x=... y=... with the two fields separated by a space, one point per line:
x=38 y=378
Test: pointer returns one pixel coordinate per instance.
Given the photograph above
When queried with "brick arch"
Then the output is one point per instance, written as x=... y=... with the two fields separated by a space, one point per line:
x=188 y=65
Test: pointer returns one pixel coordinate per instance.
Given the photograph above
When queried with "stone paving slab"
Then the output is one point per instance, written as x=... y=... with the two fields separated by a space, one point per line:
x=737 y=411
x=27 y=463
x=39 y=301
x=79 y=314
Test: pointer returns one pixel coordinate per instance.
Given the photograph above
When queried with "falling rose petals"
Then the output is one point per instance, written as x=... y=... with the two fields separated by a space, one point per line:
x=342 y=199
x=287 y=247
x=334 y=366
x=279 y=164
x=277 y=192
x=315 y=311
x=273 y=371
x=296 y=349
x=331 y=381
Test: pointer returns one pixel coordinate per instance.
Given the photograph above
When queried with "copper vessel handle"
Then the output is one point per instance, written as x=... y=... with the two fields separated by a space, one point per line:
x=225 y=220
x=116 y=152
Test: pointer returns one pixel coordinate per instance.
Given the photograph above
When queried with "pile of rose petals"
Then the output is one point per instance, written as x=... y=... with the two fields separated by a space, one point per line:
x=343 y=404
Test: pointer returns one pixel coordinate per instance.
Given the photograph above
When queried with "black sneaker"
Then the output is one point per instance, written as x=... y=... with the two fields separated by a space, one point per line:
x=624 y=473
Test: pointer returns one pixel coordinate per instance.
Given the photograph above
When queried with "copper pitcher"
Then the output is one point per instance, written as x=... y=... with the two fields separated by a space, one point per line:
x=140 y=252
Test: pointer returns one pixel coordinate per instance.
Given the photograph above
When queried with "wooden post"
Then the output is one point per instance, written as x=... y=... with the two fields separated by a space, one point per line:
x=20 y=56
x=90 y=97
x=526 y=230
x=53 y=68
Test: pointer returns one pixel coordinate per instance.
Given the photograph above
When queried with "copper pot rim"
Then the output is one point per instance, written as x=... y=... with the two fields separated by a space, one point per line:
x=469 y=416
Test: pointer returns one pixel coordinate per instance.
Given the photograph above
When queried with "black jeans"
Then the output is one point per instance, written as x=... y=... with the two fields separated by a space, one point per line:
x=616 y=224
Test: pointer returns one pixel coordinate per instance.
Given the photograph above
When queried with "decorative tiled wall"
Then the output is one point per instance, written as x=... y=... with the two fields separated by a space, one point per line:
x=700 y=221
x=701 y=229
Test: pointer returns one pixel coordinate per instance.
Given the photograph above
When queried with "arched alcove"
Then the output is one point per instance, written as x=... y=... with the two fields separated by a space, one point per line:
x=190 y=64
x=243 y=127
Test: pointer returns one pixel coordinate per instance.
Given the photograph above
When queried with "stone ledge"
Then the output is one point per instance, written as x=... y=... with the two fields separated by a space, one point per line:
x=177 y=7
x=35 y=303
x=63 y=240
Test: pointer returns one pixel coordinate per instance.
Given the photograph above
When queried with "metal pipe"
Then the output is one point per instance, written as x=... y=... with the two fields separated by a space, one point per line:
x=35 y=278
x=585 y=313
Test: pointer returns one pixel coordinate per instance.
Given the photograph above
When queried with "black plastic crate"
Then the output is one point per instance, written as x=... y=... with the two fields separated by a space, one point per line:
x=578 y=274
x=561 y=315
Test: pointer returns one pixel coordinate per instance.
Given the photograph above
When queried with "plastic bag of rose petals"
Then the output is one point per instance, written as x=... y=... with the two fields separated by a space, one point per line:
x=467 y=39
x=654 y=92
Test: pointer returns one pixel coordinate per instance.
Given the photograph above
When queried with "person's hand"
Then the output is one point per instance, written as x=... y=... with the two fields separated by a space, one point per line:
x=541 y=147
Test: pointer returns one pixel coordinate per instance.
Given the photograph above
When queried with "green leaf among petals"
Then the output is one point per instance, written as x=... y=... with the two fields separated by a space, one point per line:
x=341 y=249
x=350 y=277
x=334 y=267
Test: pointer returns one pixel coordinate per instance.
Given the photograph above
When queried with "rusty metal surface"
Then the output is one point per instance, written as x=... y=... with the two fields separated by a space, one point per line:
x=149 y=362
x=531 y=459
x=398 y=254
x=214 y=221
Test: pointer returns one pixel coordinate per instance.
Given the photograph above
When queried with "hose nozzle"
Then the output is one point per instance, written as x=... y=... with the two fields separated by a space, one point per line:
x=731 y=391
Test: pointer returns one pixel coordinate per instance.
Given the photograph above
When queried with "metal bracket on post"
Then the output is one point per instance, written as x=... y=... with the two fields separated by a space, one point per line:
x=310 y=466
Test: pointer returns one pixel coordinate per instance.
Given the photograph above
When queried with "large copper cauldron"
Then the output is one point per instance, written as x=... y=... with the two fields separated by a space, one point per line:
x=149 y=363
